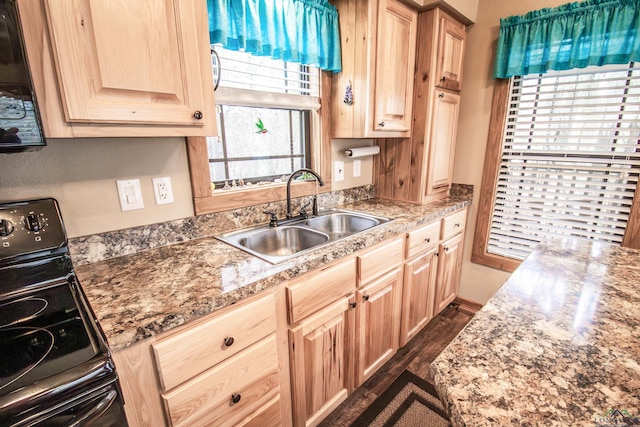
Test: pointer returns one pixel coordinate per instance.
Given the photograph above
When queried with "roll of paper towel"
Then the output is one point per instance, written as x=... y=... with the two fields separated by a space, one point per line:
x=362 y=151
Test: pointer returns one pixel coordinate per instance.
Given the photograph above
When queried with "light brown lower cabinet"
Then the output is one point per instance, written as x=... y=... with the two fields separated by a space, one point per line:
x=449 y=267
x=418 y=293
x=378 y=325
x=321 y=362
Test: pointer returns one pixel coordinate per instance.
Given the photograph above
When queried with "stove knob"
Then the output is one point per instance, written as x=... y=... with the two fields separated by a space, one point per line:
x=6 y=227
x=33 y=222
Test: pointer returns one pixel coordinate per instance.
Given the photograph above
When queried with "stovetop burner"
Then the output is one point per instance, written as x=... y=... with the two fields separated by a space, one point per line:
x=21 y=310
x=31 y=346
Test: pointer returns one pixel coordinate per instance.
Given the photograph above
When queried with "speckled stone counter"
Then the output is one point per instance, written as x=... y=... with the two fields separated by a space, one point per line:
x=139 y=295
x=558 y=344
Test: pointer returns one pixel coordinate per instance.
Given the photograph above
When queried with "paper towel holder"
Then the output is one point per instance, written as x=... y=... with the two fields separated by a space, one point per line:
x=362 y=151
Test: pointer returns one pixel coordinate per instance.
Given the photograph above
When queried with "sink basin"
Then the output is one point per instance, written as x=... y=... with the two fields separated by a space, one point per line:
x=341 y=223
x=282 y=241
x=278 y=244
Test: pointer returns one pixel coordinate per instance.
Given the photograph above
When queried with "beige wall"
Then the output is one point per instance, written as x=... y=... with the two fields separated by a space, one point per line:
x=478 y=283
x=81 y=174
x=338 y=147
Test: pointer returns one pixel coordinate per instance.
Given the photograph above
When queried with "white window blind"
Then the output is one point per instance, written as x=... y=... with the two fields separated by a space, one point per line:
x=570 y=158
x=245 y=79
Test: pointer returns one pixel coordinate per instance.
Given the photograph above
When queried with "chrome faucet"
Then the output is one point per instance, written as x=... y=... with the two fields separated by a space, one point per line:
x=291 y=177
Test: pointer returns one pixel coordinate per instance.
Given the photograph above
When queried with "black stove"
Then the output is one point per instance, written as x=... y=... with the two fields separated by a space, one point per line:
x=55 y=366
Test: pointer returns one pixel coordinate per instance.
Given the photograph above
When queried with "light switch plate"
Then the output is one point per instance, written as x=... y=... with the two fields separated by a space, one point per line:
x=162 y=190
x=338 y=174
x=130 y=194
x=357 y=168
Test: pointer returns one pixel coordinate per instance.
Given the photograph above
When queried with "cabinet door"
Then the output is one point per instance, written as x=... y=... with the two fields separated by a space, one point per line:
x=395 y=64
x=449 y=266
x=378 y=324
x=128 y=61
x=321 y=358
x=450 y=53
x=418 y=294
x=444 y=127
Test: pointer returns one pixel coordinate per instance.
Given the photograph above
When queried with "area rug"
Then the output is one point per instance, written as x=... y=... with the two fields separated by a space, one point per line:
x=409 y=401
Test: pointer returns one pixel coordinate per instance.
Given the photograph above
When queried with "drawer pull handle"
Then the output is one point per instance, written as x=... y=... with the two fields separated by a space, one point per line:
x=456 y=225
x=198 y=115
x=235 y=397
x=428 y=239
x=228 y=341
x=352 y=304
x=446 y=249
x=381 y=124
x=443 y=79
x=366 y=297
x=441 y=95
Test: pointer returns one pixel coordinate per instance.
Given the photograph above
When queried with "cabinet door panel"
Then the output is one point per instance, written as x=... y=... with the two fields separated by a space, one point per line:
x=124 y=61
x=443 y=139
x=378 y=326
x=449 y=267
x=394 y=78
x=418 y=294
x=320 y=358
x=450 y=54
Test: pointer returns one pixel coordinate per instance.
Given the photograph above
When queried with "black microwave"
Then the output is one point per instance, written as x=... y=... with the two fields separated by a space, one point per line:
x=20 y=126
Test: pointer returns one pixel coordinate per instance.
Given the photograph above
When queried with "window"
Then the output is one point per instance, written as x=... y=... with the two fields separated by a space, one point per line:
x=265 y=110
x=567 y=162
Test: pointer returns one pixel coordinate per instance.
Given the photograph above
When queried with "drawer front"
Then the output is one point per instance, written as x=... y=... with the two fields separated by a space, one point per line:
x=320 y=289
x=267 y=416
x=184 y=355
x=380 y=260
x=422 y=239
x=250 y=376
x=453 y=224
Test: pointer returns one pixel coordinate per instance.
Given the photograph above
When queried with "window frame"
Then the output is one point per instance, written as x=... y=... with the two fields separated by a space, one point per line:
x=488 y=188
x=204 y=201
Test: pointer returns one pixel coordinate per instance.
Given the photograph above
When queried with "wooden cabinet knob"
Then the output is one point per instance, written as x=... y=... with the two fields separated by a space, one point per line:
x=235 y=397
x=366 y=297
x=228 y=341
x=352 y=304
x=198 y=115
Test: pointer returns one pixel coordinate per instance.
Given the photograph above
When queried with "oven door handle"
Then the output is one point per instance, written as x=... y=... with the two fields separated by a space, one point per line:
x=96 y=411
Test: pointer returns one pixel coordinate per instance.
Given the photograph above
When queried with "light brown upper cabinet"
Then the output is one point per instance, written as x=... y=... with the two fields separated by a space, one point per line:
x=121 y=67
x=378 y=57
x=420 y=168
x=450 y=51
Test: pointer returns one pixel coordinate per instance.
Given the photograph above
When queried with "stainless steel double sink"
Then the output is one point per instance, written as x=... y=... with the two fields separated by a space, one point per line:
x=278 y=244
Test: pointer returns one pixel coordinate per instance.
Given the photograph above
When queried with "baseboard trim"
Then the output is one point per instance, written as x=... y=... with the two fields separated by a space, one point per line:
x=467 y=306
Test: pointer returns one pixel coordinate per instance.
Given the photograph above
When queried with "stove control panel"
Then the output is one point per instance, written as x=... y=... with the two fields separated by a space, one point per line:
x=31 y=226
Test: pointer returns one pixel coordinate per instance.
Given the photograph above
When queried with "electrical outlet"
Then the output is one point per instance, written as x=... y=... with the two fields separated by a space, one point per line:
x=338 y=174
x=162 y=190
x=130 y=194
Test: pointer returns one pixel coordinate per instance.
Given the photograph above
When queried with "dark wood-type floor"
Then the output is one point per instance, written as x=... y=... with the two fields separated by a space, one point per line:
x=416 y=357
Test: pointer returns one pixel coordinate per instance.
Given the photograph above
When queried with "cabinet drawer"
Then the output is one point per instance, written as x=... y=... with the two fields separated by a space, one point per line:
x=186 y=354
x=319 y=289
x=206 y=400
x=380 y=260
x=423 y=238
x=453 y=224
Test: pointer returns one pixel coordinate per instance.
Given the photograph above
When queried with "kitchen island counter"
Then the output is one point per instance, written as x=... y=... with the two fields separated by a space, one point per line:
x=558 y=344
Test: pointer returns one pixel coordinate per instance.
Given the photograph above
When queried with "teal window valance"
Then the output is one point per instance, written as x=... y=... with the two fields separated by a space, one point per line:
x=303 y=31
x=574 y=35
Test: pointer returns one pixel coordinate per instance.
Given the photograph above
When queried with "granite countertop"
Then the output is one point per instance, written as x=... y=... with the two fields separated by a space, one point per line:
x=558 y=344
x=140 y=295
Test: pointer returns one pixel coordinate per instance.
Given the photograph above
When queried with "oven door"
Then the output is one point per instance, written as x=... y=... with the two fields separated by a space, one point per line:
x=99 y=407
